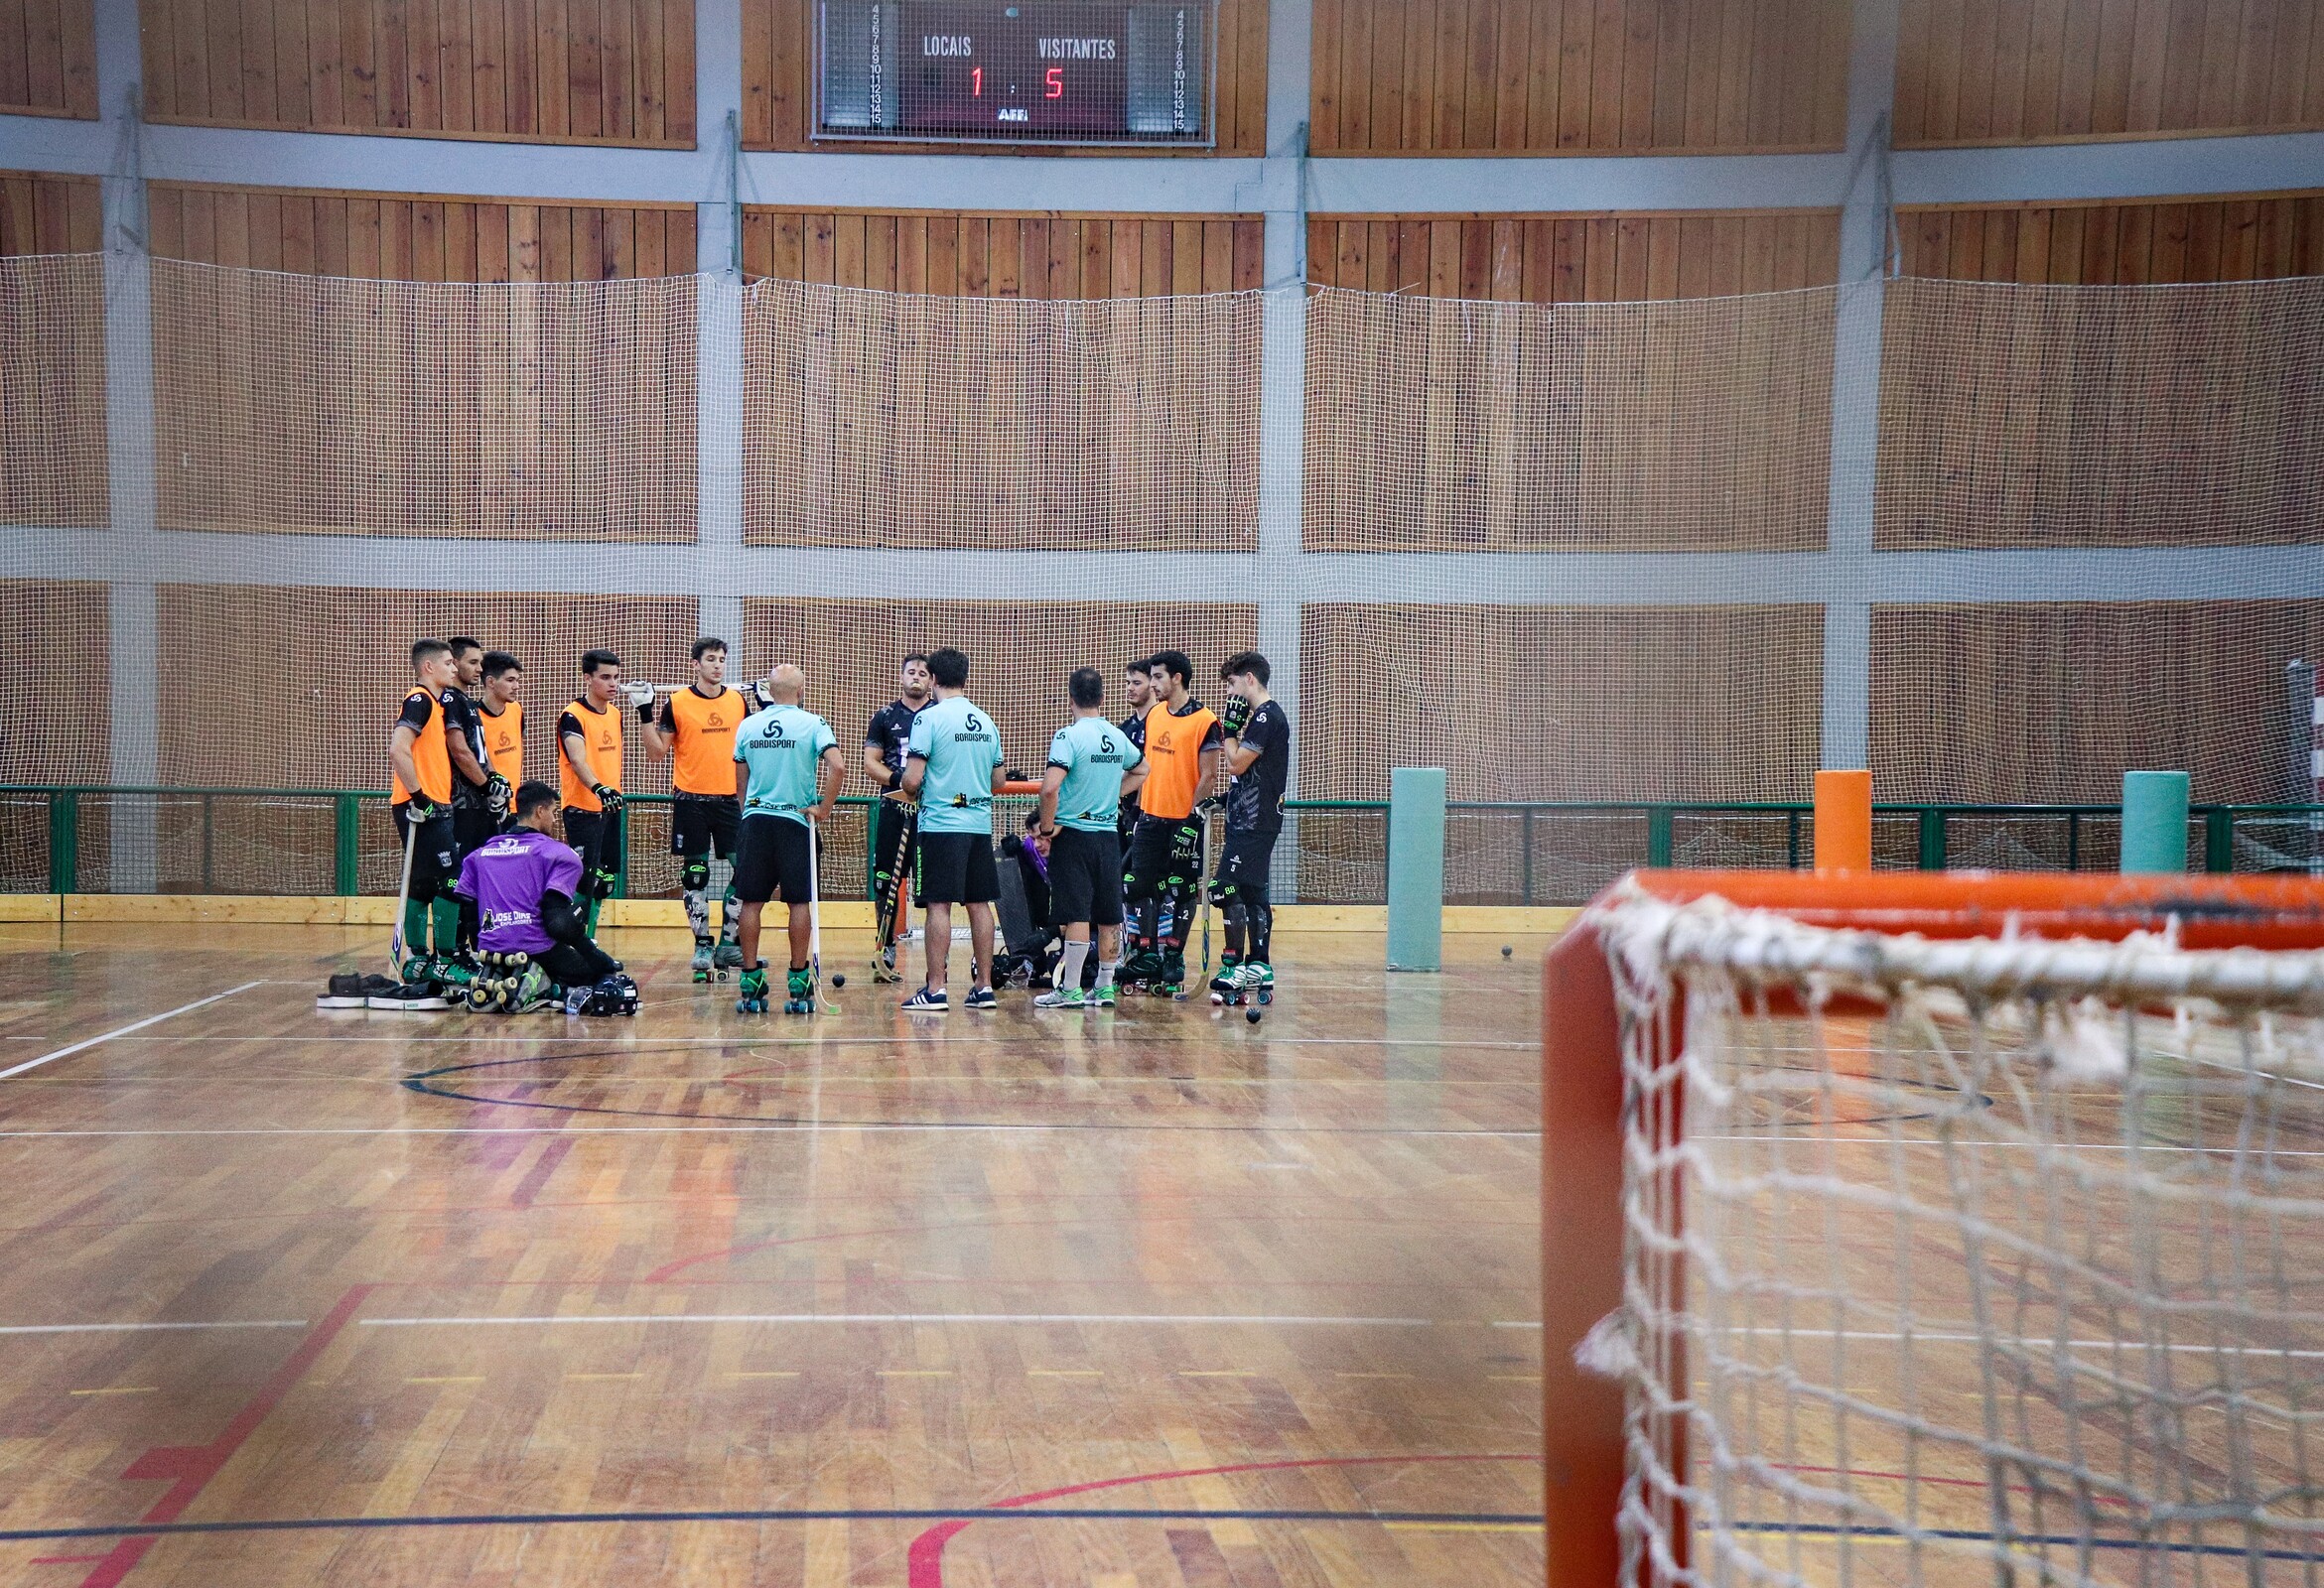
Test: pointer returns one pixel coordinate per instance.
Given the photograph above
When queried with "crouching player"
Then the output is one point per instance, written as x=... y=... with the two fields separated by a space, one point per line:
x=787 y=767
x=1259 y=754
x=1093 y=768
x=526 y=888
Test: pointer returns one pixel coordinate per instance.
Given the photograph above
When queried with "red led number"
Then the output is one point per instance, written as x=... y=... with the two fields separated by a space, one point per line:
x=1057 y=82
x=976 y=78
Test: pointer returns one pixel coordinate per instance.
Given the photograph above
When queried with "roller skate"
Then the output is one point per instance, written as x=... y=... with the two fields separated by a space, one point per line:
x=884 y=966
x=727 y=958
x=1224 y=985
x=1138 y=970
x=703 y=963
x=1170 y=981
x=801 y=992
x=1254 y=982
x=753 y=1000
x=528 y=991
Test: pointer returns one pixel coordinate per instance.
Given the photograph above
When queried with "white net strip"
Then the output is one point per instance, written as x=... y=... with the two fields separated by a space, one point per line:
x=52 y=391
x=1966 y=1261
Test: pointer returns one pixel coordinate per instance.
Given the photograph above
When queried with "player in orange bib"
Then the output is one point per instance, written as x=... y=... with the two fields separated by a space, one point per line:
x=696 y=731
x=502 y=716
x=420 y=775
x=589 y=776
x=1182 y=740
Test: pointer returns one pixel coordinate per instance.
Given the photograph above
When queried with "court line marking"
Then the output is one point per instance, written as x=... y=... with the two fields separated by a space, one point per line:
x=890 y=1317
x=120 y=1390
x=1461 y=1527
x=139 y=1025
x=644 y=1044
x=962 y=1513
x=127 y=1328
x=2025 y=1342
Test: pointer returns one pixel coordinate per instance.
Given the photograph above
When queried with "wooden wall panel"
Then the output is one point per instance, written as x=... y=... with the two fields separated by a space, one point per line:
x=46 y=214
x=49 y=57
x=778 y=97
x=1575 y=258
x=2007 y=71
x=615 y=72
x=407 y=237
x=2055 y=701
x=2251 y=237
x=955 y=255
x=1574 y=77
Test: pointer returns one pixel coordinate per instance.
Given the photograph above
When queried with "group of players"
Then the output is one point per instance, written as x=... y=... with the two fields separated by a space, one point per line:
x=1119 y=830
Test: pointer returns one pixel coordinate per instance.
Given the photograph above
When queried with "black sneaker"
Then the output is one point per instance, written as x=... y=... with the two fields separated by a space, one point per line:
x=410 y=996
x=926 y=1002
x=349 y=990
x=981 y=998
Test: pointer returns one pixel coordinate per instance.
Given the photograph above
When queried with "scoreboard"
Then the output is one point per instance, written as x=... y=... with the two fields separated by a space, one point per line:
x=1033 y=72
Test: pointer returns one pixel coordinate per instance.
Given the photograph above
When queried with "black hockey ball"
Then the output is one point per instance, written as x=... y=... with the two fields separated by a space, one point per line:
x=839 y=978
x=1506 y=951
x=1252 y=1016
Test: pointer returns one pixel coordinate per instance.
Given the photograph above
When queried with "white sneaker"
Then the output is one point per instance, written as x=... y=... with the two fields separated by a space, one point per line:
x=1064 y=997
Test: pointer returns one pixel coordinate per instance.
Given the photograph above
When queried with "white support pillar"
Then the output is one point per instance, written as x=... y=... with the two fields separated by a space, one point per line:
x=132 y=542
x=1864 y=227
x=718 y=389
x=1283 y=380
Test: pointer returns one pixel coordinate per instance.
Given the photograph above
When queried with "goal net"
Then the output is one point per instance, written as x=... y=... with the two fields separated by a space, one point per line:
x=1971 y=1231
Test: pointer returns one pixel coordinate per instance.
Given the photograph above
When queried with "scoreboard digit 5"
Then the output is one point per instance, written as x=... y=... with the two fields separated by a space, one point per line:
x=1032 y=71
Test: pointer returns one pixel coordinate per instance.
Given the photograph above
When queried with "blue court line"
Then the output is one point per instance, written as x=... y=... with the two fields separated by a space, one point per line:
x=557 y=1517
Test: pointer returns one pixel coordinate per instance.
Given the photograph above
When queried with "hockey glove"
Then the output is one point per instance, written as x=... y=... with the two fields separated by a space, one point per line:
x=497 y=794
x=609 y=797
x=1236 y=717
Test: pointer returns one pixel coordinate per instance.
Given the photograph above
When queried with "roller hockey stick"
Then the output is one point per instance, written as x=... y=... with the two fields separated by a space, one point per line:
x=403 y=893
x=815 y=914
x=1204 y=887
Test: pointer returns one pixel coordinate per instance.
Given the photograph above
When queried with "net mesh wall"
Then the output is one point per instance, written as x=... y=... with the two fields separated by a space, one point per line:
x=2102 y=416
x=553 y=467
x=2012 y=1279
x=1444 y=425
x=52 y=390
x=884 y=419
x=317 y=404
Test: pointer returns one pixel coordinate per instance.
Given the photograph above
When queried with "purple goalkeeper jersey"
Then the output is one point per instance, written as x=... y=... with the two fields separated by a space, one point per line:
x=506 y=878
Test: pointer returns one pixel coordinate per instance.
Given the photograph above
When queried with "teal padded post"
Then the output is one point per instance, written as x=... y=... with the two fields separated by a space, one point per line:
x=1415 y=868
x=2154 y=821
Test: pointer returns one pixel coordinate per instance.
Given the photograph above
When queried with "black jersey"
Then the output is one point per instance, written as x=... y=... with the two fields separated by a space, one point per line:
x=890 y=733
x=1255 y=799
x=463 y=720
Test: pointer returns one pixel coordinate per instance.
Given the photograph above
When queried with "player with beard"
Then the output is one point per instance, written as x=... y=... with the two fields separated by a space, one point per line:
x=895 y=820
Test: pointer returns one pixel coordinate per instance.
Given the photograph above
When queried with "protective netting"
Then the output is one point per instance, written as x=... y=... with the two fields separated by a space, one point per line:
x=2033 y=416
x=884 y=419
x=1440 y=423
x=1573 y=551
x=52 y=390
x=316 y=404
x=2016 y=1278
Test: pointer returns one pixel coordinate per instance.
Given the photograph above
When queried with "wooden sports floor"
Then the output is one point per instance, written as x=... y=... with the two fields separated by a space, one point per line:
x=1150 y=1298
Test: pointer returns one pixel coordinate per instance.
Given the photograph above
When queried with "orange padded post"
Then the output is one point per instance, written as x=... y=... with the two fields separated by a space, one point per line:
x=1843 y=821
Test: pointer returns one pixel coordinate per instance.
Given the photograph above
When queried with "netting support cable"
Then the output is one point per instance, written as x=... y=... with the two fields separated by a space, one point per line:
x=1865 y=233
x=132 y=607
x=1283 y=390
x=718 y=322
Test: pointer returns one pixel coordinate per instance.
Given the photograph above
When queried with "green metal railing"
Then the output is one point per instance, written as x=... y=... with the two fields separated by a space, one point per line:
x=60 y=838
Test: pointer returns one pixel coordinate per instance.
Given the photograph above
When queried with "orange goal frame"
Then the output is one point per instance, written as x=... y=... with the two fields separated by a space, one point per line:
x=1581 y=1101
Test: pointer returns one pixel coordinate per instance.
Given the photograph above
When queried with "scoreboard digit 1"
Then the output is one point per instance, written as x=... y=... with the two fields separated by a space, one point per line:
x=1032 y=71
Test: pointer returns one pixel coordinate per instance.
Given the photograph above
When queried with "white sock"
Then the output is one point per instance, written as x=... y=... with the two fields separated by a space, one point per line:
x=1105 y=972
x=1069 y=968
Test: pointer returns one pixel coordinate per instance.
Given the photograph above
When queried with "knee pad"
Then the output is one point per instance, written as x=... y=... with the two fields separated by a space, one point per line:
x=599 y=883
x=694 y=875
x=1253 y=896
x=1222 y=894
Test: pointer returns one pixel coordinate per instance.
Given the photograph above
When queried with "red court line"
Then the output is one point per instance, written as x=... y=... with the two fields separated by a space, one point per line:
x=924 y=1565
x=190 y=1467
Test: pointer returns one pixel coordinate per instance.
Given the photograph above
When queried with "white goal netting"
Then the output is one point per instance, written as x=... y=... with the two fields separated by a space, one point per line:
x=1966 y=1261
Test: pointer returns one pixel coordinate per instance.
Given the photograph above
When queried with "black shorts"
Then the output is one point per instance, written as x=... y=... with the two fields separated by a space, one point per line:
x=1246 y=859
x=773 y=861
x=1085 y=878
x=596 y=838
x=957 y=868
x=471 y=826
x=703 y=824
x=1156 y=848
x=435 y=853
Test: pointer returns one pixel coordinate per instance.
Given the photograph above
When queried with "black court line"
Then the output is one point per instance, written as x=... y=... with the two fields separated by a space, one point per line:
x=621 y=1518
x=417 y=1082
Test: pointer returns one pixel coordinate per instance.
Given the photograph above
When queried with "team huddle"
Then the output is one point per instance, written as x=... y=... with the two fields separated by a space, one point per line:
x=497 y=912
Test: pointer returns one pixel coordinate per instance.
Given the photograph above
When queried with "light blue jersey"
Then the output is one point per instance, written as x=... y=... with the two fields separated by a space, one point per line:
x=1095 y=755
x=961 y=745
x=783 y=747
